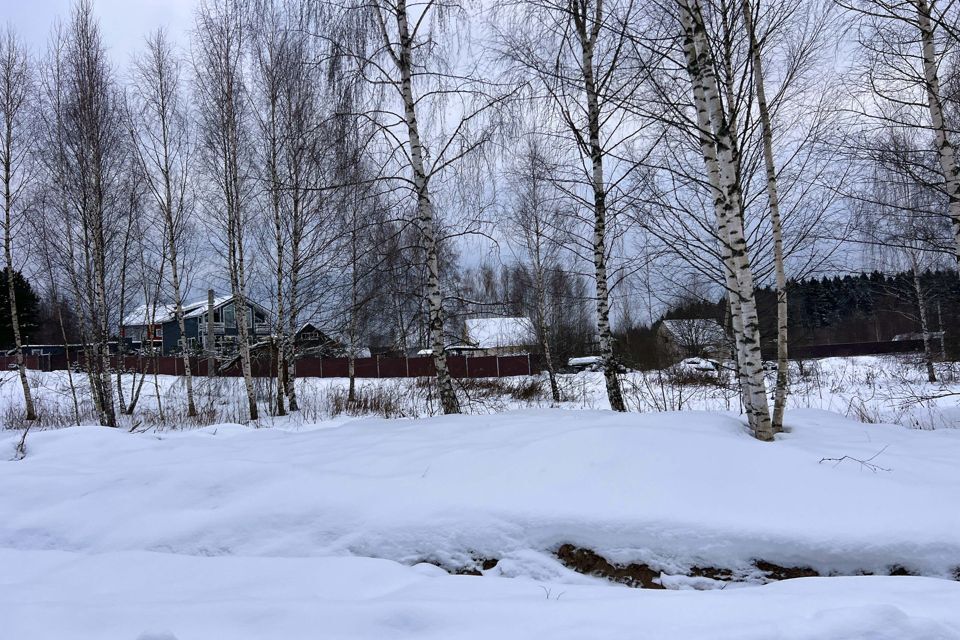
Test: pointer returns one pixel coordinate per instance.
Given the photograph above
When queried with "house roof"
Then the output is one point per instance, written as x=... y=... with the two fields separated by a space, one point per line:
x=491 y=333
x=167 y=312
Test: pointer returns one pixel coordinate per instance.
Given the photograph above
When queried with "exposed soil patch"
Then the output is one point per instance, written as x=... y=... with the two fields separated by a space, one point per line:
x=714 y=573
x=591 y=563
x=475 y=568
x=900 y=570
x=643 y=576
x=773 y=571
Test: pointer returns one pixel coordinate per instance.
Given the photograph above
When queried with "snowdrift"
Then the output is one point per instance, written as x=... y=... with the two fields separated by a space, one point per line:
x=673 y=491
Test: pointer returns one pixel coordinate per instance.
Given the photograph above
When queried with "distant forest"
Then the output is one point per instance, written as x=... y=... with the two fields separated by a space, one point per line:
x=869 y=307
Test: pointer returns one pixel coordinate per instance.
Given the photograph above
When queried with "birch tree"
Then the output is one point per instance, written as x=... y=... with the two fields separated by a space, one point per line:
x=16 y=83
x=537 y=220
x=904 y=48
x=163 y=149
x=720 y=151
x=219 y=58
x=433 y=117
x=773 y=200
x=575 y=56
x=85 y=156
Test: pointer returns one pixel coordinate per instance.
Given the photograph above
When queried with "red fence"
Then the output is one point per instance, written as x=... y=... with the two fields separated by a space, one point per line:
x=381 y=367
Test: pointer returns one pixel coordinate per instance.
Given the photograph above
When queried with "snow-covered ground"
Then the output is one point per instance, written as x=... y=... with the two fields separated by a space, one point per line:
x=57 y=595
x=338 y=527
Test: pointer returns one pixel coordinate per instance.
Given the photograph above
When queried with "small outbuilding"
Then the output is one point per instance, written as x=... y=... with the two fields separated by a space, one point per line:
x=500 y=336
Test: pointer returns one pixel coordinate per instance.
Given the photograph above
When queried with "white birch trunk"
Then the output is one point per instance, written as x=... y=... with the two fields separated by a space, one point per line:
x=29 y=410
x=773 y=198
x=588 y=39
x=945 y=150
x=719 y=144
x=425 y=215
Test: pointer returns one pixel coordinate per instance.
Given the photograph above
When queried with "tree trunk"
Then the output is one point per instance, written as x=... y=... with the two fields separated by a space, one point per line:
x=924 y=322
x=29 y=410
x=773 y=198
x=587 y=42
x=945 y=149
x=425 y=216
x=13 y=94
x=719 y=147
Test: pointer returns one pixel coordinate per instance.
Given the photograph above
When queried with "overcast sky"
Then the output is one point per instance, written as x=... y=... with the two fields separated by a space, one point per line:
x=124 y=22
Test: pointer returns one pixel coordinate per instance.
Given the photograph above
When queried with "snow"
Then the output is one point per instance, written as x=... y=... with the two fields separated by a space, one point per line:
x=672 y=490
x=499 y=333
x=153 y=596
x=584 y=361
x=332 y=528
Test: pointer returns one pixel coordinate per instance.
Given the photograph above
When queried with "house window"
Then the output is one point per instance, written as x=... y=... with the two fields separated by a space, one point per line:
x=229 y=317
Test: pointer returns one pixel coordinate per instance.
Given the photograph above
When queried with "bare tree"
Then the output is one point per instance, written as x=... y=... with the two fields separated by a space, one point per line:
x=720 y=150
x=163 y=149
x=536 y=218
x=219 y=57
x=773 y=199
x=904 y=48
x=899 y=220
x=84 y=157
x=576 y=55
x=400 y=48
x=16 y=83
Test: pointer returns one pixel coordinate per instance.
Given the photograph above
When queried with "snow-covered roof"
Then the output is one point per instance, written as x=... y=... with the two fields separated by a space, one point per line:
x=492 y=333
x=141 y=315
x=167 y=312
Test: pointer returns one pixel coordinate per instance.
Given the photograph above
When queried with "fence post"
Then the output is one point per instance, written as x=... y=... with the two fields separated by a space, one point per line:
x=497 y=357
x=529 y=366
x=378 y=367
x=406 y=360
x=321 y=366
x=466 y=364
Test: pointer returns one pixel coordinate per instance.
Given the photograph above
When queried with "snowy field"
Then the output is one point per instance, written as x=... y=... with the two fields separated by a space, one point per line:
x=355 y=527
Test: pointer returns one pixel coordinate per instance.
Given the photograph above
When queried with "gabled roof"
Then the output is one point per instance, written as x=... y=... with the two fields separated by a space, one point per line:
x=167 y=312
x=492 y=333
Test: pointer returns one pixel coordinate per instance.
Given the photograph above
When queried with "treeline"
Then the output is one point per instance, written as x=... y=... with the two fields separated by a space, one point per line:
x=866 y=307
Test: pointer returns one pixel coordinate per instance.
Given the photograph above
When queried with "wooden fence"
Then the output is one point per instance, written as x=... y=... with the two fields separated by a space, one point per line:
x=379 y=367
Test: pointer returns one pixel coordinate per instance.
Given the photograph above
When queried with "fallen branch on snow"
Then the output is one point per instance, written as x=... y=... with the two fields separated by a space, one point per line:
x=866 y=464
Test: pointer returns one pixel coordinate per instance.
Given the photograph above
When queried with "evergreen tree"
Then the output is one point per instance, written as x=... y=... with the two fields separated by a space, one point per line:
x=28 y=305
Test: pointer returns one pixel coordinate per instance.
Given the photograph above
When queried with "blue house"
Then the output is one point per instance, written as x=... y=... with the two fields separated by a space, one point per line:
x=145 y=326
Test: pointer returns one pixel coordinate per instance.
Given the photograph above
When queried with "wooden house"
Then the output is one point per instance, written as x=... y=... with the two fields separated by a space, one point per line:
x=155 y=328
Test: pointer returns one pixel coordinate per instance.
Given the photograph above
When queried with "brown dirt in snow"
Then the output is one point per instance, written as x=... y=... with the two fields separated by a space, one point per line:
x=590 y=563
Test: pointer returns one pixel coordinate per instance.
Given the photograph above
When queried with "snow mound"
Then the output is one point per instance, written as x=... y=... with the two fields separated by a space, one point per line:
x=51 y=596
x=670 y=490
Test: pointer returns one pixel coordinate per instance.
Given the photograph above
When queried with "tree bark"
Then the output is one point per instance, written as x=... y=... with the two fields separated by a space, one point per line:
x=425 y=215
x=946 y=152
x=719 y=146
x=924 y=321
x=773 y=198
x=588 y=39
